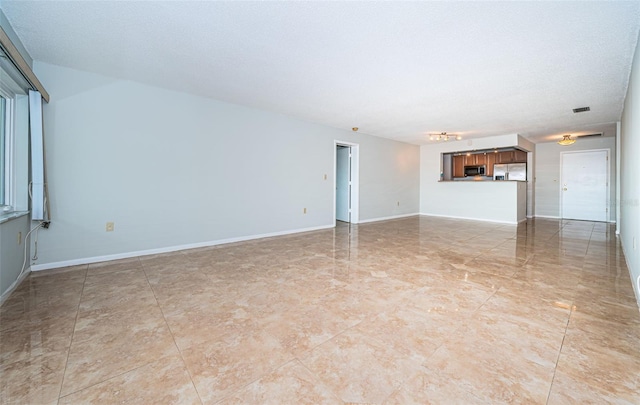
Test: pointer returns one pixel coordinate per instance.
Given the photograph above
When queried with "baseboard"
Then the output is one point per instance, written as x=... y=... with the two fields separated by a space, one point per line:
x=556 y=217
x=168 y=249
x=634 y=283
x=13 y=286
x=471 y=219
x=388 y=218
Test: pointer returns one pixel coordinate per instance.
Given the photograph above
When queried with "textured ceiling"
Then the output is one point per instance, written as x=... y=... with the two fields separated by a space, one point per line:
x=395 y=69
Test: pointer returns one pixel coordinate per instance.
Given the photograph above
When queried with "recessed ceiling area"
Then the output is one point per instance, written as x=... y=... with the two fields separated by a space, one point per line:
x=398 y=70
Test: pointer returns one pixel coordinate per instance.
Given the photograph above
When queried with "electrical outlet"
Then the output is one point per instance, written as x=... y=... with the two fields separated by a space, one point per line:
x=325 y=176
x=19 y=238
x=110 y=226
x=304 y=210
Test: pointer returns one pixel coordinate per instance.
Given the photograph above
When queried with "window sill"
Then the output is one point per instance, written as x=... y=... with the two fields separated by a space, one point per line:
x=8 y=216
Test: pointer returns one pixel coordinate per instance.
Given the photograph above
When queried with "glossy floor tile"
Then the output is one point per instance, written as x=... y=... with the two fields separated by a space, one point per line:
x=419 y=310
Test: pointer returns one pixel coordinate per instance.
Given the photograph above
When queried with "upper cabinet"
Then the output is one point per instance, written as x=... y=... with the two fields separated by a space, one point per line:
x=505 y=157
x=469 y=159
x=520 y=156
x=490 y=161
x=458 y=166
x=481 y=158
x=474 y=159
x=512 y=156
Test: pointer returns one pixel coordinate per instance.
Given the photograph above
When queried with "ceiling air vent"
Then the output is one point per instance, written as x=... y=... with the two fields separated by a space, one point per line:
x=599 y=134
x=581 y=109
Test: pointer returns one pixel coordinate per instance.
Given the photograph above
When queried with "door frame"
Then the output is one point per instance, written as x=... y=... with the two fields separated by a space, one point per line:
x=355 y=180
x=608 y=181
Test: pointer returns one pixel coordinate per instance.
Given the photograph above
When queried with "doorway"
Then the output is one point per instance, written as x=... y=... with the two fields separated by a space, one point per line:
x=584 y=186
x=346 y=182
x=343 y=183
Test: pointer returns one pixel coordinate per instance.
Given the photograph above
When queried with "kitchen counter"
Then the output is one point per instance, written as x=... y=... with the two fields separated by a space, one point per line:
x=489 y=200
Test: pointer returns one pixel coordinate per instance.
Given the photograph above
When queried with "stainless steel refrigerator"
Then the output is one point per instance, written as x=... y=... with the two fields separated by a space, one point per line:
x=511 y=171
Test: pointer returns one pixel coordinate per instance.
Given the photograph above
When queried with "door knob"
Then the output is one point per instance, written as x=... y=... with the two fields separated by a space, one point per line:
x=565 y=189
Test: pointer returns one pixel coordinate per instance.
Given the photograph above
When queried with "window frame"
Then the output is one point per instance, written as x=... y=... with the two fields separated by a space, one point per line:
x=3 y=155
x=7 y=194
x=15 y=156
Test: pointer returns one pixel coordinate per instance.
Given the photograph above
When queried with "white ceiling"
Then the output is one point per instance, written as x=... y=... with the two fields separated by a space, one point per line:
x=398 y=70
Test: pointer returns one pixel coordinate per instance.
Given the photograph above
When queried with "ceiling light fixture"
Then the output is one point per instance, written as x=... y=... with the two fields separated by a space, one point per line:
x=443 y=136
x=566 y=140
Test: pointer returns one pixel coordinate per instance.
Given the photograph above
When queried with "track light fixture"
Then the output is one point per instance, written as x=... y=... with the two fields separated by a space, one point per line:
x=443 y=136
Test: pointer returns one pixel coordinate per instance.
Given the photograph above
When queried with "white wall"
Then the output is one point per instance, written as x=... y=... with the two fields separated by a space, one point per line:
x=531 y=170
x=174 y=170
x=547 y=173
x=630 y=175
x=11 y=253
x=523 y=190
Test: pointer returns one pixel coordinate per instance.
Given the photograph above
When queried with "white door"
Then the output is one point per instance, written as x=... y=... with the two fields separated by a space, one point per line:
x=343 y=186
x=584 y=187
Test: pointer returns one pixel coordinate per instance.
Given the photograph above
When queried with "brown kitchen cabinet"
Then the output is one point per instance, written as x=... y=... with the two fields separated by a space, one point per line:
x=505 y=157
x=474 y=159
x=469 y=160
x=458 y=166
x=512 y=156
x=519 y=156
x=481 y=159
x=490 y=160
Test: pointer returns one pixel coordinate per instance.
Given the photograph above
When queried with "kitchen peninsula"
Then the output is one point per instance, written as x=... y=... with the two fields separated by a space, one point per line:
x=460 y=182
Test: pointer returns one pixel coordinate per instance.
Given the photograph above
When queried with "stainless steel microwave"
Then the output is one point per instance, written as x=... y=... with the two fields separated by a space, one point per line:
x=474 y=170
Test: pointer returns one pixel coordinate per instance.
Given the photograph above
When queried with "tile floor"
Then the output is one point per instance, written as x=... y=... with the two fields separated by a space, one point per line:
x=412 y=311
